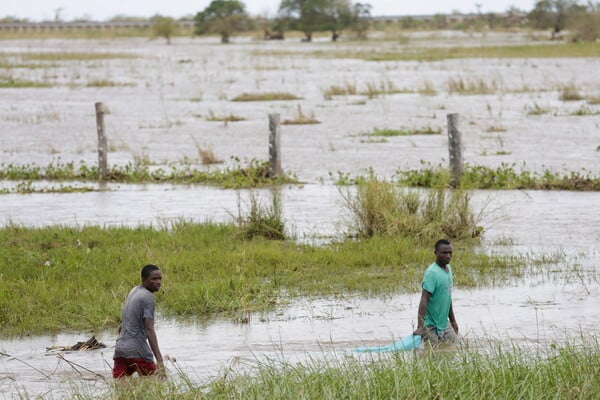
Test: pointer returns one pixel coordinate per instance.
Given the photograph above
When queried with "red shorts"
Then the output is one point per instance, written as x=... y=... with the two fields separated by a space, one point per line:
x=127 y=366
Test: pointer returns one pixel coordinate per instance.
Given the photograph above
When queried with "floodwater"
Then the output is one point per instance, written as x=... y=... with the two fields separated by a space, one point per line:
x=161 y=114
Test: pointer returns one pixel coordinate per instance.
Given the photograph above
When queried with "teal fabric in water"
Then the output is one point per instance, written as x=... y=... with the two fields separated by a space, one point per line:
x=410 y=342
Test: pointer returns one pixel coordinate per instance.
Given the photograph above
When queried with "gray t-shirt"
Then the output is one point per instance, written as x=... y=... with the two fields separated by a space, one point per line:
x=133 y=341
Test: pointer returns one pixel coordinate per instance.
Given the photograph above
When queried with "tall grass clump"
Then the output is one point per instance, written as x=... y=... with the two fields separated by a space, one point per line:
x=472 y=87
x=570 y=93
x=383 y=209
x=261 y=220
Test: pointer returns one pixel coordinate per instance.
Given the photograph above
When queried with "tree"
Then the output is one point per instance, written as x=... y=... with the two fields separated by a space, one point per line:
x=223 y=17
x=553 y=14
x=361 y=16
x=163 y=27
x=308 y=16
x=311 y=16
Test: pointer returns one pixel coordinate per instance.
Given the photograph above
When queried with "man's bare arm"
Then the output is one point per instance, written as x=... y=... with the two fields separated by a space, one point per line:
x=152 y=339
x=425 y=296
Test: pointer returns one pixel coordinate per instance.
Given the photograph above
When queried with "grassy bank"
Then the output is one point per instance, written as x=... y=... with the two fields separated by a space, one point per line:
x=60 y=279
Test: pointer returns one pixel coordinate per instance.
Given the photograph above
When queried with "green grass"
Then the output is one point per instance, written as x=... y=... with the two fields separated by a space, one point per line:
x=563 y=50
x=254 y=174
x=12 y=83
x=66 y=56
x=271 y=96
x=568 y=372
x=381 y=208
x=108 y=83
x=27 y=187
x=75 y=278
x=506 y=176
x=387 y=132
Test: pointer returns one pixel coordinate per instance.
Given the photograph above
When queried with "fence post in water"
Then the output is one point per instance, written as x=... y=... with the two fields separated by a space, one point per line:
x=455 y=150
x=102 y=147
x=274 y=146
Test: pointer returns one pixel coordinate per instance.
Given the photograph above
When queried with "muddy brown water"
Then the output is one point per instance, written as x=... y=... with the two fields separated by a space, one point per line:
x=162 y=114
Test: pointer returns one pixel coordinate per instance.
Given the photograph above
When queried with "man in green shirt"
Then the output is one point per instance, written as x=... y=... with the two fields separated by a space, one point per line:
x=435 y=307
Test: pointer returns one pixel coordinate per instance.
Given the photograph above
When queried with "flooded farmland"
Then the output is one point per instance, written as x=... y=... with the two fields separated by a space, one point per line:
x=164 y=103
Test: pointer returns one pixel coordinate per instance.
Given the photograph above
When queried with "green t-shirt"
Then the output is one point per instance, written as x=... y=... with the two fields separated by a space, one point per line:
x=438 y=282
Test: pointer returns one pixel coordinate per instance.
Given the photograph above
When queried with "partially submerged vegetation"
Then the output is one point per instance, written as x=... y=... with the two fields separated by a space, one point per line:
x=561 y=50
x=382 y=209
x=65 y=278
x=254 y=174
x=506 y=176
x=270 y=96
x=389 y=132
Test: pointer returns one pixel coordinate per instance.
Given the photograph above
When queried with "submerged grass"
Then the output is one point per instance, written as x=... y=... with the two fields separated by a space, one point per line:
x=271 y=96
x=561 y=50
x=387 y=132
x=66 y=56
x=506 y=176
x=75 y=278
x=12 y=83
x=254 y=174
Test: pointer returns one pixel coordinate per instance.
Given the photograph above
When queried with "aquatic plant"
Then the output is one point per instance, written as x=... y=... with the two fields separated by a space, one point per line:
x=271 y=96
x=254 y=174
x=382 y=209
x=505 y=176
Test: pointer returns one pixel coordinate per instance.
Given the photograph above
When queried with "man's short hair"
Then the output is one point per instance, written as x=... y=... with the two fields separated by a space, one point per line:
x=440 y=243
x=147 y=270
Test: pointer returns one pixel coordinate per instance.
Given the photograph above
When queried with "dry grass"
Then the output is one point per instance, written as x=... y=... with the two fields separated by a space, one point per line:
x=271 y=96
x=301 y=118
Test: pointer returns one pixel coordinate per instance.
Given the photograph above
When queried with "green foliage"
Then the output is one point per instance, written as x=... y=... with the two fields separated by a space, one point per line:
x=270 y=96
x=382 y=209
x=12 y=83
x=75 y=278
x=311 y=16
x=561 y=372
x=260 y=220
x=503 y=177
x=224 y=17
x=164 y=27
x=386 y=132
x=254 y=174
x=553 y=14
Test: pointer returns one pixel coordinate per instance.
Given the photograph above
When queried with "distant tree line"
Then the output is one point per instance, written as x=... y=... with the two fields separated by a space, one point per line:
x=227 y=17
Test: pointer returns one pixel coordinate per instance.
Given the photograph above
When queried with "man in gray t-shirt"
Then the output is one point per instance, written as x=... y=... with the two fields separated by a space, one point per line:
x=137 y=344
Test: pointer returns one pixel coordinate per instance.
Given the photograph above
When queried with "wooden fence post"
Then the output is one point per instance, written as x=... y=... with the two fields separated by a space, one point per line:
x=274 y=146
x=102 y=147
x=455 y=150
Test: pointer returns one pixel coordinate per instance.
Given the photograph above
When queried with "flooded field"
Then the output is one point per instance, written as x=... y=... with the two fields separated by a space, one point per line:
x=162 y=102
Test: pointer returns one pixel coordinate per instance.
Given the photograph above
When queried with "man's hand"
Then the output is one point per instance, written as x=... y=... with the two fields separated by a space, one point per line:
x=454 y=326
x=420 y=332
x=161 y=371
